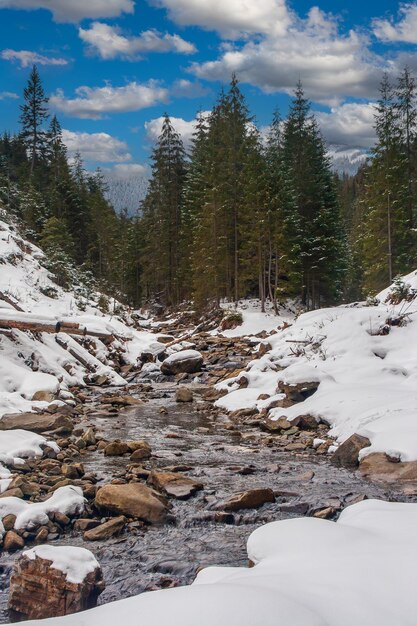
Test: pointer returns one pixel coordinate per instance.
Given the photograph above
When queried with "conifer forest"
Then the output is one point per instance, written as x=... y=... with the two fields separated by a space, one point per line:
x=247 y=212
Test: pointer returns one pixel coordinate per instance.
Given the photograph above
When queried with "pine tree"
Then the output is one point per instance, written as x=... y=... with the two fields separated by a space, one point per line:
x=34 y=113
x=322 y=249
x=161 y=222
x=407 y=111
x=385 y=238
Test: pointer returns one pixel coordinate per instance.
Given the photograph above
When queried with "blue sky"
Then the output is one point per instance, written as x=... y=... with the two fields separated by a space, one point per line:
x=113 y=67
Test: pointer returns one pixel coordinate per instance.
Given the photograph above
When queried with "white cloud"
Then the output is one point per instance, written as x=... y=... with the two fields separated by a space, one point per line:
x=109 y=42
x=330 y=65
x=183 y=88
x=96 y=146
x=4 y=95
x=27 y=58
x=95 y=102
x=349 y=124
x=405 y=30
x=231 y=18
x=74 y=10
x=183 y=127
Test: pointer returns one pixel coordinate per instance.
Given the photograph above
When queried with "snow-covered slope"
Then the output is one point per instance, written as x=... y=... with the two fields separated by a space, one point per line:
x=366 y=369
x=39 y=361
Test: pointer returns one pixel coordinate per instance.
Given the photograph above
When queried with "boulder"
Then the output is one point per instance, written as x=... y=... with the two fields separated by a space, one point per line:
x=38 y=590
x=12 y=542
x=379 y=467
x=297 y=392
x=141 y=450
x=106 y=530
x=347 y=453
x=251 y=499
x=273 y=425
x=174 y=484
x=133 y=500
x=116 y=448
x=183 y=394
x=183 y=362
x=43 y=396
x=37 y=422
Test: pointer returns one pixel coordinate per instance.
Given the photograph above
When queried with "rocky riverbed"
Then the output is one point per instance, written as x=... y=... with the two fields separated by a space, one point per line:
x=214 y=477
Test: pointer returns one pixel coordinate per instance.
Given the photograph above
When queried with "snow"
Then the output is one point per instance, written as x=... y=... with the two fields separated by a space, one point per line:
x=367 y=381
x=68 y=500
x=308 y=572
x=31 y=363
x=254 y=321
x=183 y=355
x=75 y=563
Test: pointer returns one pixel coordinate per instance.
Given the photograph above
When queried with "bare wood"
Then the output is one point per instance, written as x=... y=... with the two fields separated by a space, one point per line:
x=78 y=357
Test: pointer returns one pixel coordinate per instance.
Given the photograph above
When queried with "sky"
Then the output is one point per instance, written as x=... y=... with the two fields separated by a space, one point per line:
x=112 y=68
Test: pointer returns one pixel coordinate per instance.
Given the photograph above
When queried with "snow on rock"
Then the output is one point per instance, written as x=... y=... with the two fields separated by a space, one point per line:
x=17 y=445
x=367 y=373
x=75 y=563
x=308 y=572
x=68 y=500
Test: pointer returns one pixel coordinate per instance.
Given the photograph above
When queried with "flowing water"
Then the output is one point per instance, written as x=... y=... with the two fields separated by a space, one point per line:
x=226 y=462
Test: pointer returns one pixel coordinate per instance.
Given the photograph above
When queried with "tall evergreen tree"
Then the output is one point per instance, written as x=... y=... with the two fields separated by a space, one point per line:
x=34 y=113
x=162 y=218
x=322 y=249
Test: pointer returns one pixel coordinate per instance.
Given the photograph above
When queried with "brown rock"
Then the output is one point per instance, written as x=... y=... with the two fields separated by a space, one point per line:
x=39 y=591
x=378 y=467
x=12 y=493
x=251 y=499
x=141 y=451
x=188 y=362
x=37 y=422
x=297 y=392
x=106 y=530
x=9 y=521
x=276 y=425
x=43 y=396
x=173 y=484
x=347 y=453
x=117 y=448
x=182 y=394
x=133 y=500
x=12 y=541
x=305 y=422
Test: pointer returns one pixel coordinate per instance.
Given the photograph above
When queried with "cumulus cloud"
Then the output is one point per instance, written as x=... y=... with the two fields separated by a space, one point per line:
x=350 y=124
x=26 y=58
x=404 y=30
x=95 y=102
x=4 y=95
x=230 y=18
x=183 y=127
x=96 y=146
x=330 y=65
x=183 y=88
x=74 y=10
x=109 y=42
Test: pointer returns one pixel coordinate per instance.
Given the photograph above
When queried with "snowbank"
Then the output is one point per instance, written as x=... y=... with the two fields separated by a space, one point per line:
x=75 y=563
x=367 y=379
x=308 y=572
x=254 y=321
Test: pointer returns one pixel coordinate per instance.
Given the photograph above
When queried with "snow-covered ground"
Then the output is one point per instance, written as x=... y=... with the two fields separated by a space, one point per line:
x=31 y=363
x=367 y=379
x=254 y=321
x=308 y=572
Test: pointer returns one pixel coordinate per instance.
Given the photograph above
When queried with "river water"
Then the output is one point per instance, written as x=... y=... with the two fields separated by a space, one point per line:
x=226 y=462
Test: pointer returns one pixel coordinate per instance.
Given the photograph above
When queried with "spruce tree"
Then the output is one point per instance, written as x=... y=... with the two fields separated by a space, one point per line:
x=161 y=222
x=34 y=113
x=322 y=242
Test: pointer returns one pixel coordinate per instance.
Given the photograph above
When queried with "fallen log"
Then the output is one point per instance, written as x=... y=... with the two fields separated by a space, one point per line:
x=75 y=354
x=64 y=327
x=10 y=301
